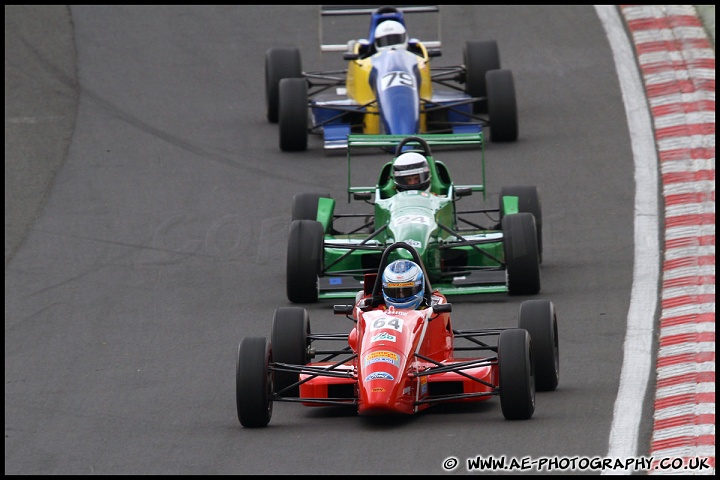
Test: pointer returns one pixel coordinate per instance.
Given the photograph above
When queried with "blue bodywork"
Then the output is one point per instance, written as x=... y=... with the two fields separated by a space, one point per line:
x=396 y=81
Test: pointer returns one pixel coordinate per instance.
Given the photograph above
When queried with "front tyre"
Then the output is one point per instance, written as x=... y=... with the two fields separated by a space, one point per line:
x=517 y=379
x=502 y=106
x=253 y=382
x=304 y=260
x=539 y=319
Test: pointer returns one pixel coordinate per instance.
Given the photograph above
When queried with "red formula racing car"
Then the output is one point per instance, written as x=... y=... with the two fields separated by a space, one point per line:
x=397 y=361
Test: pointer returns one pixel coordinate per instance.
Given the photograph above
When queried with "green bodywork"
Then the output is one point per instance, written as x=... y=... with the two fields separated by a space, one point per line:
x=459 y=259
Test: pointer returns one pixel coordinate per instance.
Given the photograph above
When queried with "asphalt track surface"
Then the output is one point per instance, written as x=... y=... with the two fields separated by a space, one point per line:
x=147 y=207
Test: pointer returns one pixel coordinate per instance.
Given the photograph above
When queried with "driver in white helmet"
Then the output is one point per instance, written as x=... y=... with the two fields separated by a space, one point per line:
x=411 y=172
x=390 y=35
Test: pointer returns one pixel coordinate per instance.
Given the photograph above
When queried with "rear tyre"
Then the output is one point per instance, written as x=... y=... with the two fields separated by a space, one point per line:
x=280 y=63
x=293 y=114
x=253 y=382
x=521 y=254
x=480 y=57
x=290 y=330
x=304 y=260
x=305 y=205
x=502 y=106
x=528 y=201
x=539 y=319
x=517 y=381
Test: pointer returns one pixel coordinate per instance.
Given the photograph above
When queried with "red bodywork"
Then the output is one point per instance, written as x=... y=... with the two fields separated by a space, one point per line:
x=404 y=363
x=397 y=362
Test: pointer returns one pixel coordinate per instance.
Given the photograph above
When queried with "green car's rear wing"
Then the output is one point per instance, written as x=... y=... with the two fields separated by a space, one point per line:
x=435 y=139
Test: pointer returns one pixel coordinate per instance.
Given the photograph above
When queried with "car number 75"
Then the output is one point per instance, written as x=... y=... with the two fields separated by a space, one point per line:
x=397 y=79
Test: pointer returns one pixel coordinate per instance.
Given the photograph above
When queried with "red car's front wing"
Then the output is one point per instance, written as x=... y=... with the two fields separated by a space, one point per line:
x=423 y=385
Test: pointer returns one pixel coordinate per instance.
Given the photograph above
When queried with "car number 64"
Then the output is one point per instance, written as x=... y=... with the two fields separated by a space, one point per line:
x=387 y=322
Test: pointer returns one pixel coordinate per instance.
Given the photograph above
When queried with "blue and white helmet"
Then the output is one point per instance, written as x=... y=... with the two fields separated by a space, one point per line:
x=403 y=284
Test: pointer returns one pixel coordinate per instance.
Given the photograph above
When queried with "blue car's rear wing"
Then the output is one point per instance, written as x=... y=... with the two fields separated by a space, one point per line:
x=437 y=139
x=377 y=15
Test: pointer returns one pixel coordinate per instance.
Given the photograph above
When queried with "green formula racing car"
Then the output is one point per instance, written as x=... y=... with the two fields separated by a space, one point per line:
x=462 y=254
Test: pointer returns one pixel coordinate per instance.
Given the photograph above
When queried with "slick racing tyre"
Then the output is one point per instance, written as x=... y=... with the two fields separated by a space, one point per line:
x=517 y=381
x=522 y=261
x=539 y=319
x=528 y=201
x=305 y=205
x=502 y=106
x=290 y=330
x=253 y=382
x=293 y=114
x=280 y=63
x=480 y=57
x=304 y=260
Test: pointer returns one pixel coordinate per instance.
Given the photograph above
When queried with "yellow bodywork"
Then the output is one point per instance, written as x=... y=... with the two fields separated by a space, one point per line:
x=358 y=88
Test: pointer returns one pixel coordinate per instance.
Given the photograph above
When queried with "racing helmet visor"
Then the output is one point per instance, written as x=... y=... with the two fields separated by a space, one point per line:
x=391 y=39
x=402 y=290
x=414 y=177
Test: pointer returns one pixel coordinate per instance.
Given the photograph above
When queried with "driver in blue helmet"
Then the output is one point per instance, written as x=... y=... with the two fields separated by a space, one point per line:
x=403 y=285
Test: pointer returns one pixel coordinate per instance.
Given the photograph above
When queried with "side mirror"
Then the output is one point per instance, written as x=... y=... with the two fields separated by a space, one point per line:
x=350 y=56
x=432 y=53
x=442 y=308
x=463 y=191
x=343 y=309
x=362 y=196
